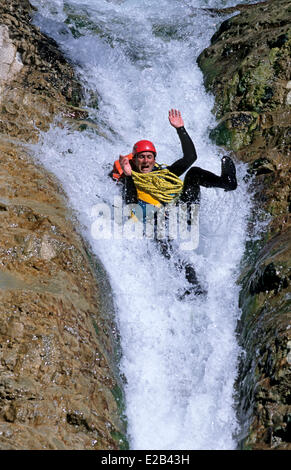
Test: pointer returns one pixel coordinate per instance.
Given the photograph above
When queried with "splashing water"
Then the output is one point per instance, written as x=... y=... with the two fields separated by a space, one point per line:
x=137 y=59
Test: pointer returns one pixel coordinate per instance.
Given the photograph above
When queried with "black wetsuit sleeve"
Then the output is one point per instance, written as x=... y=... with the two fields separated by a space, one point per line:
x=189 y=153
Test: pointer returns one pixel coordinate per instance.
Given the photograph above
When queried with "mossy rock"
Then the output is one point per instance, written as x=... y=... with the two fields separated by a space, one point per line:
x=235 y=131
x=249 y=58
x=121 y=440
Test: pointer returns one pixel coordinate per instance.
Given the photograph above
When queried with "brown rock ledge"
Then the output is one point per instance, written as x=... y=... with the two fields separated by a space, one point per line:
x=59 y=385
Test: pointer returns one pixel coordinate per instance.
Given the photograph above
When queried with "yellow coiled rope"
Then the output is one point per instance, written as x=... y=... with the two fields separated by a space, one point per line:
x=161 y=184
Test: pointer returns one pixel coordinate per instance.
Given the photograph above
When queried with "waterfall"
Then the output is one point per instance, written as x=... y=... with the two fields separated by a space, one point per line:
x=136 y=59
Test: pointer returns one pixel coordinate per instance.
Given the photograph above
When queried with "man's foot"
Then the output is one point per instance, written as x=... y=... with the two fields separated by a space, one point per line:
x=228 y=173
x=191 y=292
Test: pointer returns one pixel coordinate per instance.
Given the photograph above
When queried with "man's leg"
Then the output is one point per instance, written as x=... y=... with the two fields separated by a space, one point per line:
x=197 y=177
x=168 y=251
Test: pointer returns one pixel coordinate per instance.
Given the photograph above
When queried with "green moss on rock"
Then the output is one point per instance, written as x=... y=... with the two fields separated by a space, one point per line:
x=120 y=439
x=235 y=131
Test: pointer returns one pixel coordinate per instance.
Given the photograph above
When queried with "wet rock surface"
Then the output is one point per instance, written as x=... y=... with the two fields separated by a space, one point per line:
x=59 y=384
x=248 y=68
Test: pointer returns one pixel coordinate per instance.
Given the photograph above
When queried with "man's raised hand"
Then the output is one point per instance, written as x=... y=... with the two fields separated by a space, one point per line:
x=175 y=118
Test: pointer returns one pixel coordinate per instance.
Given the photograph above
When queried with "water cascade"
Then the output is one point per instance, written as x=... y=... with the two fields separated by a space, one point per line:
x=136 y=60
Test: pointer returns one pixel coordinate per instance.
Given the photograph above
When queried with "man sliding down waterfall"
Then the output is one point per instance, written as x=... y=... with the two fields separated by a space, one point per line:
x=137 y=171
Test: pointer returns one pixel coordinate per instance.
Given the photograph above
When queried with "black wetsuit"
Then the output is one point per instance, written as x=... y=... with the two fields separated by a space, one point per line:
x=190 y=194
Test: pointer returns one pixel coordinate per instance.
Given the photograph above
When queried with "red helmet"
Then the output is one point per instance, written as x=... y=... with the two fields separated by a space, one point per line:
x=144 y=146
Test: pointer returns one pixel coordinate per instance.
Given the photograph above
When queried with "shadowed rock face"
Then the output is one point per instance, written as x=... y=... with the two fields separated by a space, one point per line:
x=248 y=68
x=59 y=386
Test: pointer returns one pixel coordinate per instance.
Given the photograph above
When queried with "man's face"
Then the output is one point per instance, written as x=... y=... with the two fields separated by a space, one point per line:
x=144 y=162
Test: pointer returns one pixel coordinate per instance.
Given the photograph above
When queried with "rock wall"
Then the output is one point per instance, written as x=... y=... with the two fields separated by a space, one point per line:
x=59 y=386
x=247 y=67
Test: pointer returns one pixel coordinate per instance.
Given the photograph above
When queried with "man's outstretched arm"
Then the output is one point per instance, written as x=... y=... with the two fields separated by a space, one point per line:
x=188 y=148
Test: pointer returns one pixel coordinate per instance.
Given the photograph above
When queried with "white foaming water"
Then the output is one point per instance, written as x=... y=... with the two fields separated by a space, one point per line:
x=179 y=357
